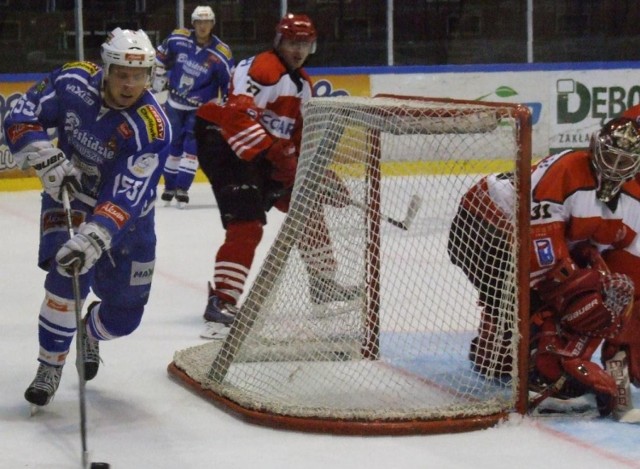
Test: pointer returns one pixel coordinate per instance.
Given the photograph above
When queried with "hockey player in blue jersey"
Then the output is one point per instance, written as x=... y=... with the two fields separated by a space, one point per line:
x=113 y=141
x=195 y=65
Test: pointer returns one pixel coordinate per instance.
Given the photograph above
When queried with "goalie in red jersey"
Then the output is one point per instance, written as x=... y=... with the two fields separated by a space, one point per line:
x=585 y=261
x=248 y=149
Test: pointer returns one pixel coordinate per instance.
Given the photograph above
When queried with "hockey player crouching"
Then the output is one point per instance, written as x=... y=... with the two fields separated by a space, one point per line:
x=248 y=149
x=585 y=248
x=113 y=140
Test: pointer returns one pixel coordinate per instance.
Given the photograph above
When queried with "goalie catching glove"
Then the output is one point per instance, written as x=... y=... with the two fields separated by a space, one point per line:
x=55 y=172
x=581 y=307
x=83 y=250
x=586 y=301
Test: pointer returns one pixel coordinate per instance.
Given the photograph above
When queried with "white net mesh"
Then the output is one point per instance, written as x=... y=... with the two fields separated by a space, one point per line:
x=359 y=317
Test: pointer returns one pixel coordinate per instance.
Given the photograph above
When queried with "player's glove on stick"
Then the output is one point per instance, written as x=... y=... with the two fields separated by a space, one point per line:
x=55 y=171
x=284 y=161
x=159 y=83
x=83 y=250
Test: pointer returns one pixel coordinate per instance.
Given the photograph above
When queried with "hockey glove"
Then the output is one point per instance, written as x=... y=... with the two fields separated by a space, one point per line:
x=83 y=250
x=159 y=83
x=284 y=161
x=55 y=171
x=586 y=301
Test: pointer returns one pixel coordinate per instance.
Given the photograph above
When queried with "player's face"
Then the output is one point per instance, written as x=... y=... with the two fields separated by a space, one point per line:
x=294 y=53
x=203 y=30
x=125 y=85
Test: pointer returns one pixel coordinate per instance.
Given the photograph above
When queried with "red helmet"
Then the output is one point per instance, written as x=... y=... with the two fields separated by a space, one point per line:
x=297 y=28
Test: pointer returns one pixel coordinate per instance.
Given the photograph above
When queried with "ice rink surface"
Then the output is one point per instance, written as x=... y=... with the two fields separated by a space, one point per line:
x=140 y=418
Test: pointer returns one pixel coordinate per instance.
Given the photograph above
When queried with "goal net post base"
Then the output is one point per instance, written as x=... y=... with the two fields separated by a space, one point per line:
x=358 y=322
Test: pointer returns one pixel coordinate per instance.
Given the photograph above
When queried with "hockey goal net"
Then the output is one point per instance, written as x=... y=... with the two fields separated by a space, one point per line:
x=392 y=358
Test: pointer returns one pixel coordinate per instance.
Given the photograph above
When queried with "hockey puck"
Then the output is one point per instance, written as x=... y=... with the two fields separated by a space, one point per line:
x=100 y=465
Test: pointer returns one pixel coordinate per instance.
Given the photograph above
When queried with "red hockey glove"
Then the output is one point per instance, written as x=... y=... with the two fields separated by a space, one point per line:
x=586 y=254
x=284 y=161
x=586 y=301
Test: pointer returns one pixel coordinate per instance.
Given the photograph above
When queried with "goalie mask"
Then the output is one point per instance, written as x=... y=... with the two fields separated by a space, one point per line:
x=128 y=49
x=615 y=152
x=296 y=28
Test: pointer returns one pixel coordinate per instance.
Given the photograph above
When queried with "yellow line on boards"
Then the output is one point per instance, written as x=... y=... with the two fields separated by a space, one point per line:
x=396 y=168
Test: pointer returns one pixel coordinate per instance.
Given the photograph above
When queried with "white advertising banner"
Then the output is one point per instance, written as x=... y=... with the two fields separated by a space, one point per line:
x=567 y=105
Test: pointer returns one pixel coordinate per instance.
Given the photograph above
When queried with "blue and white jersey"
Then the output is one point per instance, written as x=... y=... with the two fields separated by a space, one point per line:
x=196 y=74
x=120 y=153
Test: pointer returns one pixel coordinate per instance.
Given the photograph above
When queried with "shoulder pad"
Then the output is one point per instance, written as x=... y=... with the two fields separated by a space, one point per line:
x=182 y=32
x=89 y=67
x=224 y=50
x=267 y=68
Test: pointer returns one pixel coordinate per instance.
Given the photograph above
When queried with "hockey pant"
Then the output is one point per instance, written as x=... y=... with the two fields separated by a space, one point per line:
x=121 y=279
x=182 y=163
x=245 y=193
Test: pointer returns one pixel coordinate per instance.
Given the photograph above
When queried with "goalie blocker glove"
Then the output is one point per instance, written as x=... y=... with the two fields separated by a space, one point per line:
x=83 y=250
x=55 y=172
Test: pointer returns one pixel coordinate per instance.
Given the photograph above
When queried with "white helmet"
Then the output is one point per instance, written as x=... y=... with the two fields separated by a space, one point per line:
x=127 y=48
x=203 y=13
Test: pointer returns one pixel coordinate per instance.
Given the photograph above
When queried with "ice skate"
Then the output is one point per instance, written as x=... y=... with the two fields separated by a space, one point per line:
x=167 y=196
x=43 y=387
x=326 y=290
x=90 y=357
x=182 y=198
x=218 y=317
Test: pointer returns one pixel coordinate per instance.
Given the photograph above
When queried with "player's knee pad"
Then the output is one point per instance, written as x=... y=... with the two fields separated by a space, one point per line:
x=241 y=203
x=109 y=321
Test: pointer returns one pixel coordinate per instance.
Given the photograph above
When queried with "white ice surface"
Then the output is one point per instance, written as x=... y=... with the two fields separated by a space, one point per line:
x=140 y=418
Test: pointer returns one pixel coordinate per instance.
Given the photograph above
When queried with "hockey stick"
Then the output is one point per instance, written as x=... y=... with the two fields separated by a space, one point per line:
x=414 y=206
x=81 y=337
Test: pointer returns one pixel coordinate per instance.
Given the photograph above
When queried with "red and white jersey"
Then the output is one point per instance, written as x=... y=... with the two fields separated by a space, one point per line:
x=565 y=211
x=265 y=102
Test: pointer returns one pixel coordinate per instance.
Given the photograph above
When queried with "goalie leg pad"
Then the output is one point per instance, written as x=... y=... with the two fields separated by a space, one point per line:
x=628 y=340
x=595 y=378
x=489 y=352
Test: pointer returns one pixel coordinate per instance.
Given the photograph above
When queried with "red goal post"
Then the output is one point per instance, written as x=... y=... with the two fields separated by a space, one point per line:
x=394 y=358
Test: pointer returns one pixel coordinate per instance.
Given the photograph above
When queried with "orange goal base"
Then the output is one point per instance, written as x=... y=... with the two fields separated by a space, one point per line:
x=337 y=427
